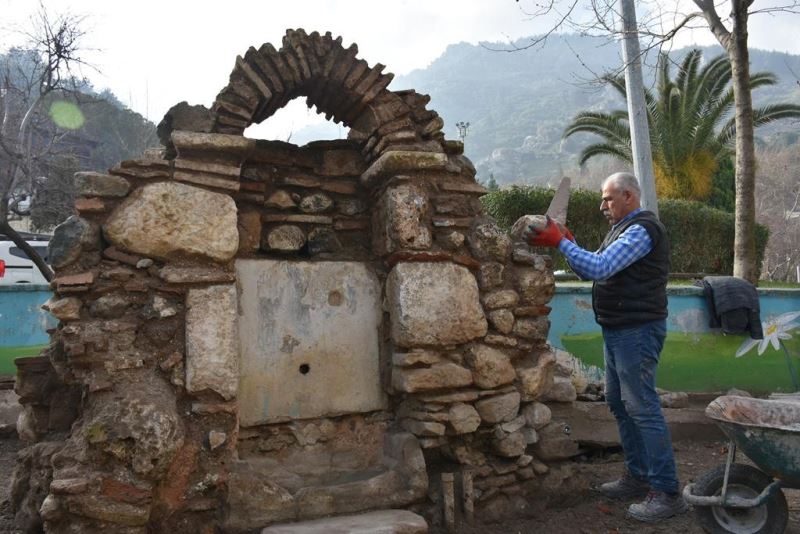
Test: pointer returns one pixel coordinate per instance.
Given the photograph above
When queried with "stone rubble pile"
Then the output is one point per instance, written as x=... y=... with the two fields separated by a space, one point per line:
x=132 y=414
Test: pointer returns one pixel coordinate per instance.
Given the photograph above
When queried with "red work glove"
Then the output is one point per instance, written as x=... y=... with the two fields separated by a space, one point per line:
x=551 y=236
x=565 y=231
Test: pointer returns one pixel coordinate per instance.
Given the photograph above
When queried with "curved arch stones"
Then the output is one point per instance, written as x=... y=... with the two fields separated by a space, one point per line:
x=346 y=89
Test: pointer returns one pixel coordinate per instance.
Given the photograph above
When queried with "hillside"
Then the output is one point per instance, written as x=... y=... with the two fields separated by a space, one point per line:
x=518 y=103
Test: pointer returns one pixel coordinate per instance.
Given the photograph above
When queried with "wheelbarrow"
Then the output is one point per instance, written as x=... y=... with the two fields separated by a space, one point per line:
x=742 y=499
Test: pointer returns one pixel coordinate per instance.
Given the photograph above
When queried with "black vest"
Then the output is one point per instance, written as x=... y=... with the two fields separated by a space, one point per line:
x=638 y=293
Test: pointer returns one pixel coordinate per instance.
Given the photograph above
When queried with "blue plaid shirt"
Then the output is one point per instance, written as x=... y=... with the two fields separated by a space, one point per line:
x=632 y=245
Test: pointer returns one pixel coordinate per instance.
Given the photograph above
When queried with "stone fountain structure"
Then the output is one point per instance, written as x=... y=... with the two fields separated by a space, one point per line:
x=253 y=332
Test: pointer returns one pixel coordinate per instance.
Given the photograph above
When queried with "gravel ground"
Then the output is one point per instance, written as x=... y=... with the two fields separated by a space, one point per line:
x=585 y=512
x=8 y=457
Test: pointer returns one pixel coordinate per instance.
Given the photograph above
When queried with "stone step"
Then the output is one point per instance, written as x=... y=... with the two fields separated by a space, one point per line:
x=330 y=478
x=592 y=423
x=377 y=522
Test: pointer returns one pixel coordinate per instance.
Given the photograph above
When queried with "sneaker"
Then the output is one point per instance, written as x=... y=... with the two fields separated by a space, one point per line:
x=627 y=487
x=657 y=506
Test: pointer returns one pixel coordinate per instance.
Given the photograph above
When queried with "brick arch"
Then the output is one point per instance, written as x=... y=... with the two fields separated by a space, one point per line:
x=331 y=78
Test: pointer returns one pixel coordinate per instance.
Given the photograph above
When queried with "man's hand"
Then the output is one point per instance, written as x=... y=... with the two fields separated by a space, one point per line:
x=550 y=236
x=565 y=231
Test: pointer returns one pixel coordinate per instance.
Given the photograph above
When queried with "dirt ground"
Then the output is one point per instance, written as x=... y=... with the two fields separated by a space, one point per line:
x=8 y=457
x=585 y=512
x=589 y=513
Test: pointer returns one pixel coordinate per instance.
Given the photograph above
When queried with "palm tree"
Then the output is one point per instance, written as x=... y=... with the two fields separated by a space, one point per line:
x=691 y=129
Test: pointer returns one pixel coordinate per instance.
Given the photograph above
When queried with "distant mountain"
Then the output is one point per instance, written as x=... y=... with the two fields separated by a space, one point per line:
x=518 y=103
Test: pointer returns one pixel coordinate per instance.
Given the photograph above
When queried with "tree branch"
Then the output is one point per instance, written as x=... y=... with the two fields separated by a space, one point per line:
x=714 y=22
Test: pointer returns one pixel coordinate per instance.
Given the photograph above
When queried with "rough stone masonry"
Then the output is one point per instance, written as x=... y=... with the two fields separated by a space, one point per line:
x=253 y=332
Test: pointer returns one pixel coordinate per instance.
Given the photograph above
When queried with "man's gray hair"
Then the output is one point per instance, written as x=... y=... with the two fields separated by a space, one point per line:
x=625 y=181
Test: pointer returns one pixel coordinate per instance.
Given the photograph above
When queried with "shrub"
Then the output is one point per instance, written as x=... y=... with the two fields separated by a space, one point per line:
x=701 y=238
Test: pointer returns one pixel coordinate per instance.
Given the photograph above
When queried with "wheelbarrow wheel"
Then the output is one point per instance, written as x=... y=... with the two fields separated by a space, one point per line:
x=747 y=482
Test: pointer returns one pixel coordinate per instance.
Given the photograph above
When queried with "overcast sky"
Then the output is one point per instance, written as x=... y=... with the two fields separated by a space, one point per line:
x=154 y=54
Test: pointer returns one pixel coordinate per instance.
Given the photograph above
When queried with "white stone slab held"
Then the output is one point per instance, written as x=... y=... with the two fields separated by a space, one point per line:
x=212 y=360
x=378 y=522
x=308 y=335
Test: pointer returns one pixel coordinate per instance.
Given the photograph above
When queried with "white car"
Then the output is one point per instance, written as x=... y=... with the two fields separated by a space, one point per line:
x=19 y=269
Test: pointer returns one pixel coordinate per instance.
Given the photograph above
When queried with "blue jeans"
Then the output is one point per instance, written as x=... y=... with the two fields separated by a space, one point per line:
x=631 y=357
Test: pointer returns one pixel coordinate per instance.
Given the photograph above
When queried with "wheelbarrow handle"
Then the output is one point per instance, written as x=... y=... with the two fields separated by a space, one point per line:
x=731 y=501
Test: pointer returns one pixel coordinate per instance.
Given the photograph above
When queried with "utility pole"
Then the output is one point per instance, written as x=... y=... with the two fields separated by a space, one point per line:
x=637 y=110
x=462 y=130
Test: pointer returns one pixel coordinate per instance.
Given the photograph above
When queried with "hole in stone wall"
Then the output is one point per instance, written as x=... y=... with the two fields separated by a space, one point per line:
x=304 y=369
x=335 y=298
x=297 y=124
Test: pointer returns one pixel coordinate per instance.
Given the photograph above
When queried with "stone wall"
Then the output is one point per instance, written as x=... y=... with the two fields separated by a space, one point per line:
x=139 y=428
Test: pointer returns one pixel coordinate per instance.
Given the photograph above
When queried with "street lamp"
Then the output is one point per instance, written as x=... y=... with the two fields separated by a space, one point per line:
x=462 y=130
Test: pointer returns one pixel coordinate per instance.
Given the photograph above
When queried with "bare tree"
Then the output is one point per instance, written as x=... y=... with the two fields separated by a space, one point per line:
x=658 y=28
x=44 y=68
x=778 y=207
x=734 y=41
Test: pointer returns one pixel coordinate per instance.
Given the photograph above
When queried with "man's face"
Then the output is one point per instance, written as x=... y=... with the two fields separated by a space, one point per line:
x=615 y=204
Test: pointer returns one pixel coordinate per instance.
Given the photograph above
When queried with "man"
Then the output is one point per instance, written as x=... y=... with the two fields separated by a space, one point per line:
x=629 y=298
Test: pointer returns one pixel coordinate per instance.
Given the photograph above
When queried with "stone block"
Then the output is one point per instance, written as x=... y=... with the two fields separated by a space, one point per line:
x=109 y=306
x=235 y=146
x=490 y=367
x=533 y=328
x=351 y=206
x=444 y=375
x=90 y=205
x=297 y=218
x=281 y=200
x=433 y=304
x=555 y=442
x=323 y=240
x=535 y=287
x=258 y=495
x=417 y=357
x=249 y=224
x=378 y=522
x=451 y=240
x=341 y=163
x=536 y=415
x=309 y=341
x=212 y=352
x=423 y=428
x=401 y=220
x=316 y=203
x=463 y=418
x=503 y=341
x=285 y=238
x=168 y=219
x=138 y=423
x=70 y=239
x=175 y=274
x=536 y=377
x=95 y=184
x=395 y=162
x=10 y=407
x=502 y=320
x=562 y=390
x=502 y=298
x=511 y=445
x=66 y=309
x=499 y=408
x=488 y=241
x=490 y=275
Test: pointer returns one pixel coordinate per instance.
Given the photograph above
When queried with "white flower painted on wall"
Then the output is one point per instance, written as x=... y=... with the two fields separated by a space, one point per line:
x=775 y=332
